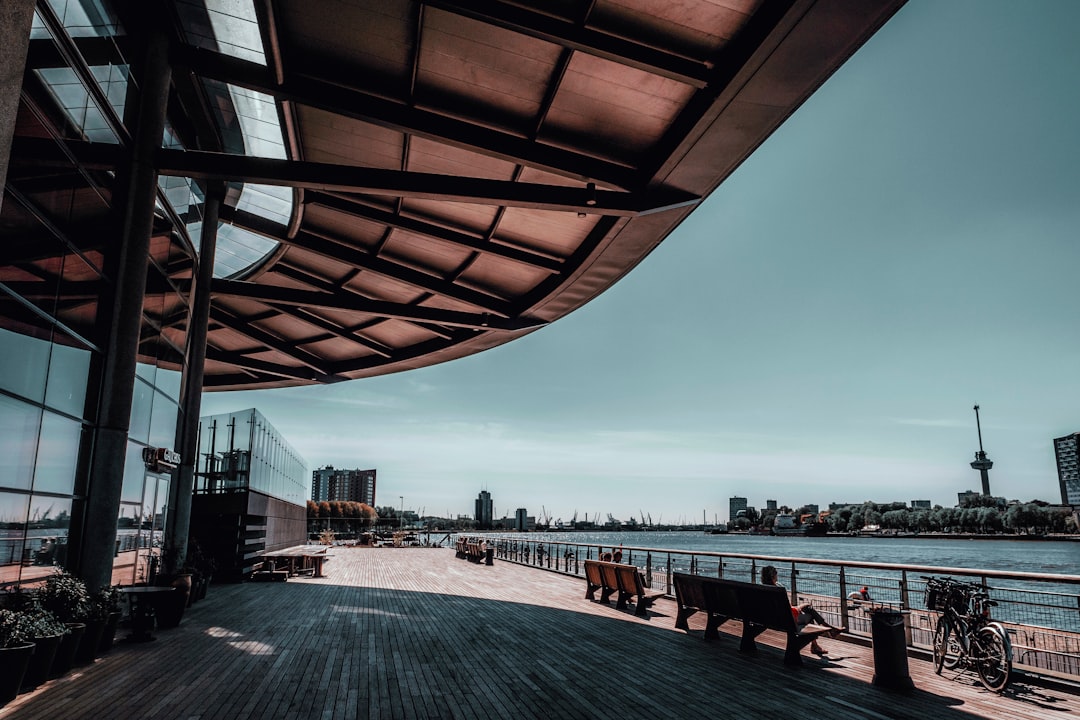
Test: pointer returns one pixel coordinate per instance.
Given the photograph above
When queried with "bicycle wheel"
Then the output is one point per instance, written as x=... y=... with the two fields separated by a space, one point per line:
x=994 y=659
x=946 y=647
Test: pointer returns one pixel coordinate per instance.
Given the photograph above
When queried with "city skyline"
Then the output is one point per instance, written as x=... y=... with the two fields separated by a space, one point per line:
x=818 y=331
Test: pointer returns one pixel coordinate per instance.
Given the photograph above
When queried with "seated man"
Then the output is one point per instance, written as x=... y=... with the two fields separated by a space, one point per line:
x=861 y=595
x=804 y=614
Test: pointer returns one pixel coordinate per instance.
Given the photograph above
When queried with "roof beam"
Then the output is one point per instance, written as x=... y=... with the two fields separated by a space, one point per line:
x=272 y=294
x=261 y=366
x=569 y=34
x=429 y=186
x=438 y=232
x=339 y=98
x=245 y=327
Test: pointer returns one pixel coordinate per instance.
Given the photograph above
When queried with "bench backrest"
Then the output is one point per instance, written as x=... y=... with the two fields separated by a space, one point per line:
x=617 y=576
x=592 y=573
x=766 y=605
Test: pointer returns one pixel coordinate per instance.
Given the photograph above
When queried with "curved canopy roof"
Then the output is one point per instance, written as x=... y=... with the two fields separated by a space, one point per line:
x=411 y=182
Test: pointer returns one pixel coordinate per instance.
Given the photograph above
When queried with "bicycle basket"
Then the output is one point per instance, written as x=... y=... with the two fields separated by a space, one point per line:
x=937 y=596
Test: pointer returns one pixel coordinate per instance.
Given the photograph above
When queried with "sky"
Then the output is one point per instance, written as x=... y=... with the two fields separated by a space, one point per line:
x=818 y=330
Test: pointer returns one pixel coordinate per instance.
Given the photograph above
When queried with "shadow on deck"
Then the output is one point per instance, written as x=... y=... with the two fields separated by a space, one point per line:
x=416 y=633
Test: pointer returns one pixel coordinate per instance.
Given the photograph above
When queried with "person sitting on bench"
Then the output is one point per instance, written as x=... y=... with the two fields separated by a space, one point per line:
x=804 y=614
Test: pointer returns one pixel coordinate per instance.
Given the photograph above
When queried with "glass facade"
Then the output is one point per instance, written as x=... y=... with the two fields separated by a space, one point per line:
x=57 y=242
x=242 y=451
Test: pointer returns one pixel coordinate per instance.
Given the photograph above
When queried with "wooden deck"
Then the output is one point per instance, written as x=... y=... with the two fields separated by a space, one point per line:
x=416 y=633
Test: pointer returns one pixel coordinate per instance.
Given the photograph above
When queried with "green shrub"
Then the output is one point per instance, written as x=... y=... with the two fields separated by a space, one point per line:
x=65 y=596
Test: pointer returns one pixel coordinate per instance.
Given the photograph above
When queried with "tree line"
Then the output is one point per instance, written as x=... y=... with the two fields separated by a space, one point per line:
x=977 y=514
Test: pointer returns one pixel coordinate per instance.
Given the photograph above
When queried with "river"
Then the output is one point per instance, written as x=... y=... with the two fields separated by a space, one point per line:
x=1057 y=557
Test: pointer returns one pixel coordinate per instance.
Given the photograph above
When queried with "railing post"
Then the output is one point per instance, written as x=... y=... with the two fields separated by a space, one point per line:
x=693 y=565
x=667 y=578
x=905 y=607
x=648 y=568
x=720 y=567
x=753 y=570
x=794 y=585
x=843 y=599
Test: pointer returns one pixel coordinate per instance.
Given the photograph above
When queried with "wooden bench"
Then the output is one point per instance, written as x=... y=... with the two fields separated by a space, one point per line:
x=759 y=607
x=611 y=578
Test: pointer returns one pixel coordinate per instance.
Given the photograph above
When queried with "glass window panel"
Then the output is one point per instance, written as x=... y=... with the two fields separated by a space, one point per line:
x=134 y=471
x=85 y=18
x=142 y=405
x=233 y=29
x=14 y=509
x=25 y=361
x=127 y=543
x=147 y=371
x=58 y=454
x=168 y=382
x=270 y=201
x=47 y=533
x=163 y=422
x=69 y=368
x=19 y=427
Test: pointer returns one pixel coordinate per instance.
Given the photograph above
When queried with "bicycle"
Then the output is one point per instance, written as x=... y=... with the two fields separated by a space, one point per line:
x=965 y=636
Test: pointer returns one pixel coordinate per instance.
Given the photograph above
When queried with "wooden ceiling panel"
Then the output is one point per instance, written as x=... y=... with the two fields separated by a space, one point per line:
x=331 y=138
x=563 y=233
x=379 y=287
x=494 y=68
x=500 y=277
x=467 y=217
x=694 y=29
x=376 y=37
x=413 y=250
x=397 y=333
x=621 y=112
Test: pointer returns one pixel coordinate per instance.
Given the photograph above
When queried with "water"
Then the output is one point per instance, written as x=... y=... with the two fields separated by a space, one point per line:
x=1057 y=557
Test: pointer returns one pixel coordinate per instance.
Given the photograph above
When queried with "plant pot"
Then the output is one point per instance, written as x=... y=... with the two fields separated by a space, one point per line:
x=37 y=671
x=88 y=646
x=108 y=633
x=168 y=608
x=65 y=654
x=13 y=663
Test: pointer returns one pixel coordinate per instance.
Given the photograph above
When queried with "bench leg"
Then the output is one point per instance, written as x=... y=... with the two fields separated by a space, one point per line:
x=605 y=596
x=620 y=603
x=749 y=632
x=641 y=607
x=794 y=645
x=712 y=625
x=590 y=593
x=680 y=620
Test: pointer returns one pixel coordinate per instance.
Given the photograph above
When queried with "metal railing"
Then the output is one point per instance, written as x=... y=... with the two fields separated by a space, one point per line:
x=1040 y=612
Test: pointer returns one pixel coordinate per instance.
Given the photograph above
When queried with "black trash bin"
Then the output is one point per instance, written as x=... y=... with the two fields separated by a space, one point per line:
x=890 y=649
x=489 y=556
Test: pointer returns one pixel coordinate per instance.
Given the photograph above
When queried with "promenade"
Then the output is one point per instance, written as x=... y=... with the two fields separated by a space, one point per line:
x=417 y=633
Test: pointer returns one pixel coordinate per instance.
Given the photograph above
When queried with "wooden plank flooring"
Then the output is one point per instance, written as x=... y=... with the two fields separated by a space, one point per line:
x=412 y=633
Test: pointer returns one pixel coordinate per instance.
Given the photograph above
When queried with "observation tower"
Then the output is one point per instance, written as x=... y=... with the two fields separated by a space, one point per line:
x=981 y=462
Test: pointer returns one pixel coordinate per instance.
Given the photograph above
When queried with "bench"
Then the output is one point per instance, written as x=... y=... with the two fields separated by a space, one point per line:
x=611 y=578
x=759 y=607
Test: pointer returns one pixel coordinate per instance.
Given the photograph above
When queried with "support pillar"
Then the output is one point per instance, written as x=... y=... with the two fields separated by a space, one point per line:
x=16 y=18
x=136 y=187
x=178 y=520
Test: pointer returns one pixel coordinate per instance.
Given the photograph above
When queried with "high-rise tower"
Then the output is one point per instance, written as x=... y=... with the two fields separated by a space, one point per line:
x=981 y=462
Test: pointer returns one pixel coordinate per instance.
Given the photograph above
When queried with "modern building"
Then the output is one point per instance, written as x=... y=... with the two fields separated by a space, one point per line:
x=204 y=195
x=330 y=483
x=920 y=505
x=484 y=511
x=770 y=506
x=249 y=493
x=735 y=506
x=1067 y=452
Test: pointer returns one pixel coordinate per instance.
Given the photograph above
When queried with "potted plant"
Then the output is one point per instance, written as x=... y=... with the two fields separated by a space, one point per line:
x=102 y=609
x=65 y=596
x=107 y=603
x=15 y=652
x=45 y=630
x=169 y=607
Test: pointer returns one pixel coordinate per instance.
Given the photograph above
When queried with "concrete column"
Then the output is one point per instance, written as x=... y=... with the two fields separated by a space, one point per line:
x=187 y=432
x=16 y=18
x=136 y=186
